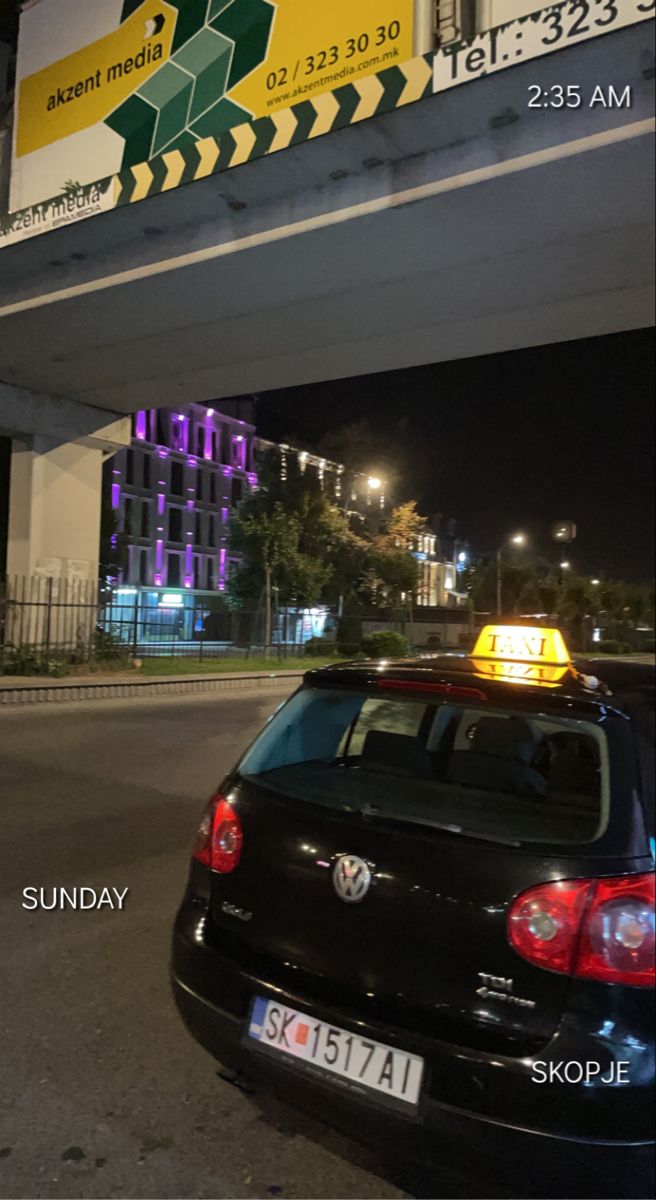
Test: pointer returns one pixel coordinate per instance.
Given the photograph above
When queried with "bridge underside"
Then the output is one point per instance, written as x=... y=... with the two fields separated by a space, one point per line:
x=464 y=225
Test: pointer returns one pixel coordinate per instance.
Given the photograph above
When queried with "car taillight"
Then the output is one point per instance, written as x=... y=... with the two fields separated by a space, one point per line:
x=590 y=928
x=219 y=837
x=617 y=943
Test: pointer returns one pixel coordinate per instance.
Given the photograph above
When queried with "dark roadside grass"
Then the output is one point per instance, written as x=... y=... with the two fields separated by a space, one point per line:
x=187 y=666
x=220 y=666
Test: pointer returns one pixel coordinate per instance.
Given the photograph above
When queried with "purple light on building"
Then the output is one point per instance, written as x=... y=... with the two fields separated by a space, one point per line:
x=240 y=443
x=190 y=505
x=227 y=471
x=116 y=472
x=163 y=452
x=116 y=495
x=207 y=450
x=191 y=462
x=252 y=479
x=114 y=541
x=161 y=503
x=222 y=569
x=158 y=580
x=225 y=513
x=159 y=554
x=140 y=426
x=189 y=566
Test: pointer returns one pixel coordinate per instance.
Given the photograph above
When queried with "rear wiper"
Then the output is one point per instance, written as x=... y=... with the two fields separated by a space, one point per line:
x=371 y=811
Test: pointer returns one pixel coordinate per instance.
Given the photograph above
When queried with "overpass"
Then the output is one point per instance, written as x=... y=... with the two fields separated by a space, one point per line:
x=462 y=223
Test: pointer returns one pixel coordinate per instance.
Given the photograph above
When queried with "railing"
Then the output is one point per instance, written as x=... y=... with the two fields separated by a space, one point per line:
x=49 y=627
x=53 y=627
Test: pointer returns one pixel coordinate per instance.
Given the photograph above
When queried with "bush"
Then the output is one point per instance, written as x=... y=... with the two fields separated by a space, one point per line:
x=649 y=647
x=612 y=646
x=349 y=635
x=107 y=648
x=320 y=645
x=385 y=644
x=27 y=660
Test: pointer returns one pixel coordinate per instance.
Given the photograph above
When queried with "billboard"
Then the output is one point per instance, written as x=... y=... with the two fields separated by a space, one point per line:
x=104 y=86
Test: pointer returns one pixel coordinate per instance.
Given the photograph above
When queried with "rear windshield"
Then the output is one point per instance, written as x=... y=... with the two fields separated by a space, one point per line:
x=483 y=772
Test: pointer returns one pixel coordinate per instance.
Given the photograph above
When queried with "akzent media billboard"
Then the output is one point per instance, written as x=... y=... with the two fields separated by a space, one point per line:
x=105 y=84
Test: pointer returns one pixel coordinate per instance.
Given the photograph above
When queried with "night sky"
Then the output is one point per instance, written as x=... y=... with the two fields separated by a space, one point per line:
x=513 y=441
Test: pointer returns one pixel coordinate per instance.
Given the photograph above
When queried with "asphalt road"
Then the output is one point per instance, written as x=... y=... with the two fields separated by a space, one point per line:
x=102 y=1091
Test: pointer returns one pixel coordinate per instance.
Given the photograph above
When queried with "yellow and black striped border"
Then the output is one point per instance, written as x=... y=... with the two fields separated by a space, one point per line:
x=312 y=118
x=347 y=105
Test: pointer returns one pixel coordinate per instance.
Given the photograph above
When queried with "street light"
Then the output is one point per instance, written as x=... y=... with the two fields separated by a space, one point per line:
x=374 y=484
x=565 y=566
x=517 y=539
x=595 y=582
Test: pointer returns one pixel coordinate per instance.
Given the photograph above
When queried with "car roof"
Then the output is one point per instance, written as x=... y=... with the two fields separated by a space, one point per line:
x=461 y=671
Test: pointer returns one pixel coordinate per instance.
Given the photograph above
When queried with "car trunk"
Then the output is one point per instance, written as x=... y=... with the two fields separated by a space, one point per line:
x=425 y=949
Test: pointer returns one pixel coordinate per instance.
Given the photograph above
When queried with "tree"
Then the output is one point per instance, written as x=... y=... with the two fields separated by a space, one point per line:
x=392 y=570
x=404 y=528
x=326 y=558
x=266 y=540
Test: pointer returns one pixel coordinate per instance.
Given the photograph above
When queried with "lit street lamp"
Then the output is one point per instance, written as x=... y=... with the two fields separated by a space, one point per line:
x=517 y=539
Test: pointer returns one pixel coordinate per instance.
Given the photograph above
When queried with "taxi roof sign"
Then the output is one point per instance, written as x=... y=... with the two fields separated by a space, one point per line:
x=523 y=644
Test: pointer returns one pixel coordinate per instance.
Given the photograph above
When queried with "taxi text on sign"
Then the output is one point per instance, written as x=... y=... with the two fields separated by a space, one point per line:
x=106 y=85
x=521 y=643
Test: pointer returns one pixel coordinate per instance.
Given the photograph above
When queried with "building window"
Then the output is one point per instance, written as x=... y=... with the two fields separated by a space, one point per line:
x=145 y=519
x=143 y=567
x=175 y=524
x=177 y=435
x=147 y=475
x=213 y=491
x=174 y=569
x=177 y=479
x=237 y=490
x=129 y=466
x=161 y=428
x=199 y=528
x=198 y=572
x=128 y=516
x=214 y=531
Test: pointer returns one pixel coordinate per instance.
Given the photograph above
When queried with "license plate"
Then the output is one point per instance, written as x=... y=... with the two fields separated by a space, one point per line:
x=360 y=1063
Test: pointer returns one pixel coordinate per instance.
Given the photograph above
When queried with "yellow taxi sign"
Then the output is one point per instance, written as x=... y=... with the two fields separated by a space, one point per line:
x=522 y=644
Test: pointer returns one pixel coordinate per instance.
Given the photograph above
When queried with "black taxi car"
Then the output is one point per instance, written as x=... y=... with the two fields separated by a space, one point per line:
x=422 y=905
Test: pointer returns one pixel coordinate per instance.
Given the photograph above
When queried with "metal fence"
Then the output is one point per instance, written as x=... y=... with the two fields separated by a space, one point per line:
x=42 y=618
x=47 y=626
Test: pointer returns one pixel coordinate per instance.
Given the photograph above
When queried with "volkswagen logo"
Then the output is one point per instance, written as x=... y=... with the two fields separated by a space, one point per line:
x=351 y=878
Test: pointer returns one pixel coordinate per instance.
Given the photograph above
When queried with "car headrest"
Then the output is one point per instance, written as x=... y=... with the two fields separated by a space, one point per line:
x=504 y=737
x=397 y=754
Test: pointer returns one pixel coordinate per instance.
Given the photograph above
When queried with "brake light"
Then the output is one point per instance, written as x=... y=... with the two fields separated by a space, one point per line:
x=589 y=928
x=219 y=837
x=445 y=689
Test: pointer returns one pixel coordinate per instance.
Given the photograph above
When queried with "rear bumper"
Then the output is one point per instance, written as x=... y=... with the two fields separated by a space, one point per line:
x=473 y=1101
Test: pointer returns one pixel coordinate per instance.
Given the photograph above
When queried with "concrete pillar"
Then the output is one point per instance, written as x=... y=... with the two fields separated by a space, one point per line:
x=54 y=510
x=58 y=448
